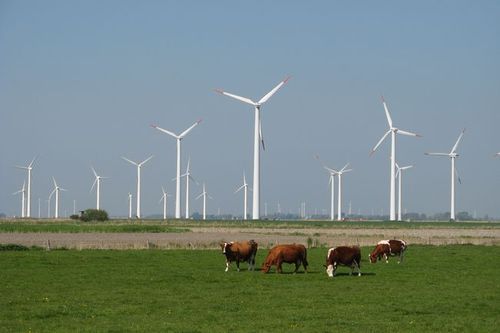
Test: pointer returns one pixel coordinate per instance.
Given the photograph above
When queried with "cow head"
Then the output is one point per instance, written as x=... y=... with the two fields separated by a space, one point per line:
x=373 y=258
x=329 y=270
x=223 y=247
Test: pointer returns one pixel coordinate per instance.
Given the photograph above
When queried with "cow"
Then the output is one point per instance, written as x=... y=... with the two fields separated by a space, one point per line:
x=288 y=253
x=386 y=248
x=343 y=255
x=240 y=252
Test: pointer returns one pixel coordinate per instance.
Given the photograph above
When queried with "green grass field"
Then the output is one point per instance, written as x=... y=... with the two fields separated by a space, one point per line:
x=444 y=289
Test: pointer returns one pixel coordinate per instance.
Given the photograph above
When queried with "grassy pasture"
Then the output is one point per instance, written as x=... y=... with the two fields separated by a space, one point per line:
x=445 y=288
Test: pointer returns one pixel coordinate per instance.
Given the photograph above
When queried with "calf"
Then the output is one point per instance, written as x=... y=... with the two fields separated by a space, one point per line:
x=386 y=248
x=289 y=253
x=240 y=252
x=345 y=256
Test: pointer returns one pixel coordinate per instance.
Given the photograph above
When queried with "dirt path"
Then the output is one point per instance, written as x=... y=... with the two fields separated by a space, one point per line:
x=209 y=238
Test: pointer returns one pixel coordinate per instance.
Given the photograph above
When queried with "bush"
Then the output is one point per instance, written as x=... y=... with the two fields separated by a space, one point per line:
x=94 y=215
x=74 y=217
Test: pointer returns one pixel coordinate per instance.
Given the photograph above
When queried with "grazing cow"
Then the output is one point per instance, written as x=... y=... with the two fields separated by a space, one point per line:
x=289 y=253
x=386 y=248
x=343 y=255
x=240 y=252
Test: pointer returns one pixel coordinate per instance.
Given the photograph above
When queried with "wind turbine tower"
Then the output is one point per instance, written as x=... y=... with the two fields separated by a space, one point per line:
x=98 y=188
x=28 y=168
x=244 y=187
x=399 y=175
x=56 y=190
x=204 y=194
x=258 y=140
x=23 y=199
x=393 y=131
x=178 y=139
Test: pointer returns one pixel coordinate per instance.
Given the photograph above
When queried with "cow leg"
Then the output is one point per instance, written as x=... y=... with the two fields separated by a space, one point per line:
x=238 y=264
x=357 y=266
x=386 y=258
x=227 y=265
x=278 y=266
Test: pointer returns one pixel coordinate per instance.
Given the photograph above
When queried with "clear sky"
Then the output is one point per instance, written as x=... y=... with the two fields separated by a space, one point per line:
x=81 y=82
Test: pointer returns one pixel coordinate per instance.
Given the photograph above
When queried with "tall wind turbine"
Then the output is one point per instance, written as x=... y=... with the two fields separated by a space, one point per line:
x=258 y=139
x=29 y=168
x=138 y=165
x=98 y=189
x=129 y=205
x=56 y=190
x=23 y=199
x=178 y=138
x=188 y=178
x=339 y=200
x=244 y=187
x=452 y=155
x=399 y=175
x=393 y=131
x=164 y=199
x=204 y=194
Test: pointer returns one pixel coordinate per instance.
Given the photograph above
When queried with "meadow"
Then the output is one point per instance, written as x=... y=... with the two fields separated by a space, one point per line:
x=437 y=288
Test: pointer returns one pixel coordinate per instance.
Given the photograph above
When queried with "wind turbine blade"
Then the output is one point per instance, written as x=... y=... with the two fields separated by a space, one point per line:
x=32 y=161
x=95 y=173
x=55 y=184
x=347 y=170
x=21 y=167
x=239 y=189
x=93 y=184
x=163 y=190
x=52 y=193
x=132 y=162
x=63 y=189
x=407 y=133
x=147 y=159
x=165 y=131
x=201 y=194
x=387 y=114
x=438 y=154
x=272 y=92
x=345 y=166
x=453 y=150
x=188 y=164
x=261 y=135
x=380 y=142
x=183 y=134
x=407 y=167
x=332 y=171
x=242 y=99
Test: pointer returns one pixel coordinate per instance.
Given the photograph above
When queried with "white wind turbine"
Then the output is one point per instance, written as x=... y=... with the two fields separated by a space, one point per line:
x=56 y=190
x=204 y=194
x=393 y=131
x=258 y=139
x=452 y=155
x=23 y=196
x=399 y=175
x=98 y=188
x=138 y=165
x=188 y=178
x=129 y=205
x=331 y=182
x=29 y=168
x=178 y=138
x=244 y=187
x=339 y=200
x=164 y=199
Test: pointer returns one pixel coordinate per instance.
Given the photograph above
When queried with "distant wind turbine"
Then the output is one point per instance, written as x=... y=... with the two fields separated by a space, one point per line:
x=452 y=155
x=164 y=199
x=178 y=138
x=244 y=187
x=399 y=175
x=331 y=182
x=23 y=199
x=204 y=194
x=29 y=168
x=138 y=165
x=56 y=190
x=339 y=200
x=258 y=139
x=98 y=188
x=393 y=131
x=188 y=178
x=129 y=205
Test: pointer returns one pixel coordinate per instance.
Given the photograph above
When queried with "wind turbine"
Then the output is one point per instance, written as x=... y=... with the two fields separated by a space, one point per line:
x=339 y=200
x=204 y=194
x=188 y=177
x=393 y=131
x=29 y=168
x=23 y=196
x=178 y=138
x=399 y=175
x=164 y=199
x=129 y=205
x=98 y=189
x=453 y=155
x=258 y=139
x=139 y=165
x=244 y=187
x=331 y=182
x=56 y=190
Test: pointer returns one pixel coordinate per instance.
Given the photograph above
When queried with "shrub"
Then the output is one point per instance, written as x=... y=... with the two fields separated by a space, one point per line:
x=94 y=215
x=74 y=217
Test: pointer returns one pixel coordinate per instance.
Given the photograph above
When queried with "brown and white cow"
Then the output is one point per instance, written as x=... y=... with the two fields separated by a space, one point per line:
x=386 y=248
x=240 y=252
x=343 y=255
x=288 y=253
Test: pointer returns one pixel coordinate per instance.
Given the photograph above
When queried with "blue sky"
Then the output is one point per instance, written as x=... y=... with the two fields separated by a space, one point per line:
x=81 y=82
